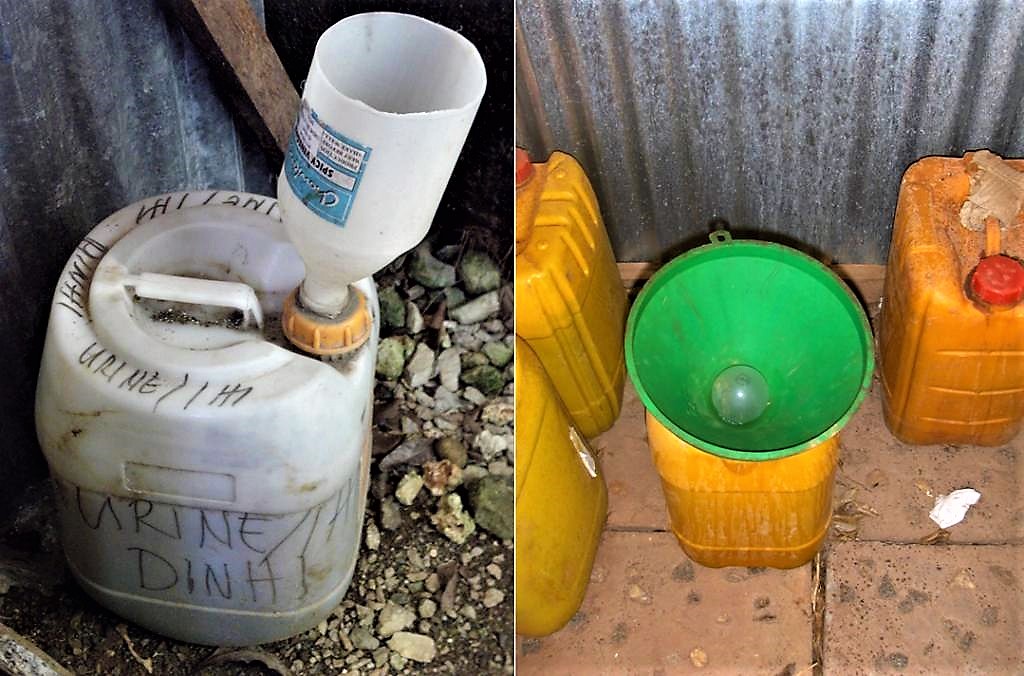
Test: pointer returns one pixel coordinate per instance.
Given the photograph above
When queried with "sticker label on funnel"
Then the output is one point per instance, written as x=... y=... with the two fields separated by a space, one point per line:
x=324 y=168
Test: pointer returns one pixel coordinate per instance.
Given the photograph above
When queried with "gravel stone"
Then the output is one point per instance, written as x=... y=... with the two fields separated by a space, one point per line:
x=420 y=368
x=500 y=468
x=408 y=488
x=427 y=608
x=446 y=400
x=499 y=413
x=415 y=450
x=493 y=597
x=454 y=297
x=392 y=309
x=390 y=358
x=490 y=444
x=452 y=520
x=451 y=449
x=372 y=537
x=409 y=426
x=471 y=359
x=478 y=309
x=394 y=618
x=493 y=503
x=499 y=353
x=414 y=318
x=467 y=339
x=390 y=514
x=495 y=326
x=449 y=367
x=487 y=379
x=416 y=647
x=363 y=639
x=473 y=473
x=441 y=476
x=479 y=273
x=473 y=395
x=429 y=271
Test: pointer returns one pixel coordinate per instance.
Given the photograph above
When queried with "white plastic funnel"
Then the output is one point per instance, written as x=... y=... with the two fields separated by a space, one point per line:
x=385 y=112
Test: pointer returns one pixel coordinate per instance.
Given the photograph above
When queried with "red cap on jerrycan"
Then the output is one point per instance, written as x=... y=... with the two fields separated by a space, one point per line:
x=998 y=280
x=524 y=169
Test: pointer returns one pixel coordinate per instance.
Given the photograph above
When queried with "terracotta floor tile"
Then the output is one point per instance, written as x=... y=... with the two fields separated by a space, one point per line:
x=924 y=609
x=650 y=610
x=634 y=490
x=903 y=608
x=905 y=474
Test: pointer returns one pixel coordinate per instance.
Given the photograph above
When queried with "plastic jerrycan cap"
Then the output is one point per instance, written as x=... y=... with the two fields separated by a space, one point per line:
x=327 y=336
x=524 y=214
x=998 y=280
x=524 y=168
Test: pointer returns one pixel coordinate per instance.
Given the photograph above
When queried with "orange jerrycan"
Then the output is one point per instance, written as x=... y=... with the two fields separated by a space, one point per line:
x=561 y=503
x=951 y=335
x=570 y=303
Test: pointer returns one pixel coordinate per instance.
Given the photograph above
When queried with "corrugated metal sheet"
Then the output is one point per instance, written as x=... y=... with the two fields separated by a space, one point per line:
x=101 y=103
x=791 y=120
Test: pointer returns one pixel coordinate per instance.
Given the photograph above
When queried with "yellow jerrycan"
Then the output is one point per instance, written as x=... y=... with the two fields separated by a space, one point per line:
x=951 y=335
x=561 y=503
x=749 y=358
x=570 y=303
x=727 y=512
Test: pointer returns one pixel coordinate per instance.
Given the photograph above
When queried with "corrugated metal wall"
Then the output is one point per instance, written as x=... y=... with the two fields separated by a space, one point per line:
x=791 y=120
x=101 y=103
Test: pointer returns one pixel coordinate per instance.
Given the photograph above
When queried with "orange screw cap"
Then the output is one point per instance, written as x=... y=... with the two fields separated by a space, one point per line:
x=326 y=336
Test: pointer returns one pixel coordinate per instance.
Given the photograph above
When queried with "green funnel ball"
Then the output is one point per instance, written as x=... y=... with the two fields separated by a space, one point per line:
x=749 y=350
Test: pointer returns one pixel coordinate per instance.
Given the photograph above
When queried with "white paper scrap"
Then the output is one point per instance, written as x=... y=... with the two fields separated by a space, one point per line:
x=950 y=510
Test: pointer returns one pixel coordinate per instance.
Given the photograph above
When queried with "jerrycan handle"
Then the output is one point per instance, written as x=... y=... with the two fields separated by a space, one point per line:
x=196 y=291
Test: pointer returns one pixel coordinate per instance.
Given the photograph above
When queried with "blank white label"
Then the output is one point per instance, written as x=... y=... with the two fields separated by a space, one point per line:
x=175 y=482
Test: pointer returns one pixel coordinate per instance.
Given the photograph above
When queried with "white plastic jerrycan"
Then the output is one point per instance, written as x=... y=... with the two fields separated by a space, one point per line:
x=211 y=483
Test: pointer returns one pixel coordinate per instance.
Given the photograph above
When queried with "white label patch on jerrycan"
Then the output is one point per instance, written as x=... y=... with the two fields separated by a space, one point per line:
x=210 y=482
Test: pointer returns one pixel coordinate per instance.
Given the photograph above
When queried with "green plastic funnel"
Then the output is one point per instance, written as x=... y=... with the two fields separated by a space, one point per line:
x=749 y=350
